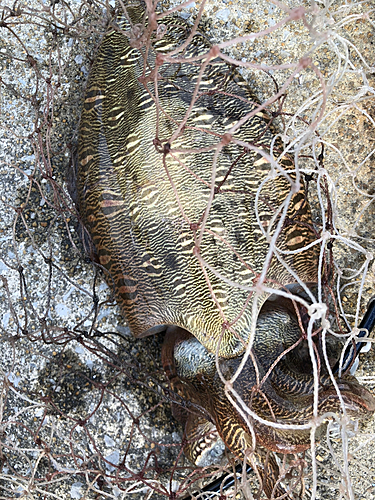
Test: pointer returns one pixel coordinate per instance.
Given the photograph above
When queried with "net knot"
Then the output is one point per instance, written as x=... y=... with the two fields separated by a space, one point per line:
x=317 y=311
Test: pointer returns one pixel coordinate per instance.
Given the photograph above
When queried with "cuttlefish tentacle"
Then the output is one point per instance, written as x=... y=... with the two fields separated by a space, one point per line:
x=285 y=395
x=207 y=431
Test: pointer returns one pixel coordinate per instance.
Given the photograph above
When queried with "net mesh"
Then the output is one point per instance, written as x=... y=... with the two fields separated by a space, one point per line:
x=84 y=407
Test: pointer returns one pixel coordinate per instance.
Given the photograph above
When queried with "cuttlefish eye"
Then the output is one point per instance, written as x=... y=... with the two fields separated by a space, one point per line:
x=274 y=383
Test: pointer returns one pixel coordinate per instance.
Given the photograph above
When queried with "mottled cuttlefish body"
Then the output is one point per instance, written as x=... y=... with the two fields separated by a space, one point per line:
x=181 y=209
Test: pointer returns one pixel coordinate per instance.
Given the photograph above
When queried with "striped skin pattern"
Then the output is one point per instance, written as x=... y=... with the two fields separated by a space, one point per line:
x=172 y=213
x=143 y=209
